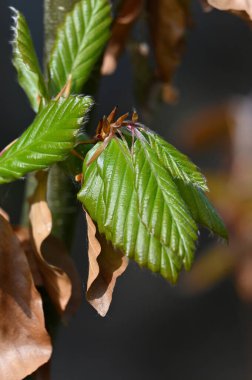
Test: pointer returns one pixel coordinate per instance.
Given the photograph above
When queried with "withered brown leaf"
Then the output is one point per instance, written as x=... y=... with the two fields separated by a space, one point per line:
x=233 y=5
x=129 y=12
x=207 y=127
x=168 y=22
x=105 y=265
x=55 y=280
x=55 y=253
x=4 y=214
x=24 y=342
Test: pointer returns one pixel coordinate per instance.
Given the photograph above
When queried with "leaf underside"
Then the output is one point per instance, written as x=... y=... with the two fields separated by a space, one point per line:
x=26 y=63
x=49 y=139
x=79 y=43
x=136 y=202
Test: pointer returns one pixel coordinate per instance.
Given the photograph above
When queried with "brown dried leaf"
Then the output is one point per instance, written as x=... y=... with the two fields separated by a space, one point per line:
x=24 y=342
x=233 y=5
x=4 y=214
x=55 y=253
x=168 y=22
x=23 y=235
x=44 y=372
x=55 y=280
x=129 y=12
x=105 y=265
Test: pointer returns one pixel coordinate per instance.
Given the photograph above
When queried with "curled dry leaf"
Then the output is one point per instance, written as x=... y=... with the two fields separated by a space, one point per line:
x=233 y=5
x=55 y=253
x=168 y=22
x=129 y=12
x=24 y=342
x=55 y=280
x=105 y=265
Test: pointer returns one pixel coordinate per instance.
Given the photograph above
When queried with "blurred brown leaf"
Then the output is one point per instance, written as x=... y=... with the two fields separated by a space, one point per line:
x=230 y=191
x=168 y=22
x=208 y=126
x=24 y=342
x=128 y=13
x=105 y=265
x=216 y=263
x=55 y=280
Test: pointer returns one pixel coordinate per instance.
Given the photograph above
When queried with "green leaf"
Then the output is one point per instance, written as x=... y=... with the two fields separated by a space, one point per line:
x=49 y=139
x=142 y=207
x=176 y=162
x=201 y=209
x=161 y=207
x=26 y=63
x=109 y=195
x=79 y=44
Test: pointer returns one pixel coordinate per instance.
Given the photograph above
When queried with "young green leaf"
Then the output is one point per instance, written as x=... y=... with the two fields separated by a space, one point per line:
x=176 y=162
x=201 y=209
x=79 y=43
x=148 y=201
x=26 y=63
x=161 y=207
x=109 y=195
x=49 y=138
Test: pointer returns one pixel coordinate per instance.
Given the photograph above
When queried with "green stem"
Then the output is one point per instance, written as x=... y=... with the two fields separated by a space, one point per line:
x=30 y=185
x=61 y=193
x=62 y=201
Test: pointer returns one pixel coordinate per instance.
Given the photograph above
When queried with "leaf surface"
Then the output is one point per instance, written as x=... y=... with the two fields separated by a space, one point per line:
x=105 y=265
x=26 y=63
x=49 y=139
x=148 y=202
x=79 y=44
x=24 y=342
x=108 y=193
x=161 y=207
x=176 y=162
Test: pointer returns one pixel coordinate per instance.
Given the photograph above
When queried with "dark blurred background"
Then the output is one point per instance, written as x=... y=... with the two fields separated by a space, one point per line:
x=153 y=330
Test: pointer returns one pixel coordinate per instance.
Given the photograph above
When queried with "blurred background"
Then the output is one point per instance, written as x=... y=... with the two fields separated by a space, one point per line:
x=201 y=328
